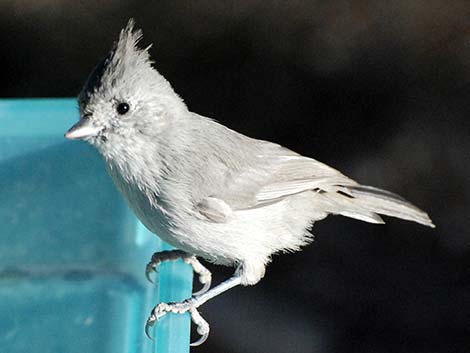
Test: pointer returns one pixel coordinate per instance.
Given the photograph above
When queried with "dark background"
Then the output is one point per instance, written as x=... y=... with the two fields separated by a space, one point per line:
x=377 y=89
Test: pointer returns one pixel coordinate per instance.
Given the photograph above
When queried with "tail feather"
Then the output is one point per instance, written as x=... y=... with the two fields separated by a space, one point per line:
x=383 y=202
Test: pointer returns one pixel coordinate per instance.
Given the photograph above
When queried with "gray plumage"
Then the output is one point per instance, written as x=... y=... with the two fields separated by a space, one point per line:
x=204 y=188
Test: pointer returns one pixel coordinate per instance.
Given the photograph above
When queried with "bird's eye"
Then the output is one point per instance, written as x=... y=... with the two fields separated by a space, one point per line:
x=122 y=108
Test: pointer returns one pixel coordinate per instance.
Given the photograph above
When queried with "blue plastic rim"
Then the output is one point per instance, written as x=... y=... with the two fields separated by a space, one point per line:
x=72 y=255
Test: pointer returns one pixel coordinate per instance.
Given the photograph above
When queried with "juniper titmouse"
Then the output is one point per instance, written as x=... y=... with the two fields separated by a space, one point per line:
x=206 y=189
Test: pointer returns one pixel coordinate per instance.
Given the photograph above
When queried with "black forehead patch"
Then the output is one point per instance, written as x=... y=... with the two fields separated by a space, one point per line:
x=94 y=80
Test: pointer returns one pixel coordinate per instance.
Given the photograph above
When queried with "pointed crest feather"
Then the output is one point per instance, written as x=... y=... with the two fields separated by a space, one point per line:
x=128 y=36
x=129 y=39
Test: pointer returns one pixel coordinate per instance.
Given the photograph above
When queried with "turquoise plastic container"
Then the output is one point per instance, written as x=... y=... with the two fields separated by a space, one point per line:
x=72 y=255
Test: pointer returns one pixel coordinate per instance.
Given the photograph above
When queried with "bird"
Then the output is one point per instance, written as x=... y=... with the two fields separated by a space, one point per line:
x=207 y=190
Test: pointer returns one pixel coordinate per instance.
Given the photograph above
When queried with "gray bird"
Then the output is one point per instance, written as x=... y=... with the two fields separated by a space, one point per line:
x=205 y=189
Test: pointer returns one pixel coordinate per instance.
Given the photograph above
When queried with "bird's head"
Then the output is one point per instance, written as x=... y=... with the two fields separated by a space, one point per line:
x=125 y=97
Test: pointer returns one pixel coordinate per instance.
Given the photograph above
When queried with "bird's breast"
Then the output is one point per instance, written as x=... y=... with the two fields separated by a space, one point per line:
x=147 y=206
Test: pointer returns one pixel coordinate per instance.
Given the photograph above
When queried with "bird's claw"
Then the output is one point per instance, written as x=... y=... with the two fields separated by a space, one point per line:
x=148 y=325
x=151 y=267
x=205 y=276
x=204 y=289
x=202 y=327
x=179 y=308
x=156 y=314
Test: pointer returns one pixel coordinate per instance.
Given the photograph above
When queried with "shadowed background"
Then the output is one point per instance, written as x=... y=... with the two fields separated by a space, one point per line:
x=377 y=89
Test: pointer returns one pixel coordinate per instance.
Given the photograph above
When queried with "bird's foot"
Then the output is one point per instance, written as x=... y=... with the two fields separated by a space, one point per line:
x=205 y=276
x=190 y=305
x=180 y=308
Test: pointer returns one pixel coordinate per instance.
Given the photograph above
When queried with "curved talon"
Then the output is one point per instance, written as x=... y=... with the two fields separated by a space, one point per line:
x=205 y=276
x=204 y=289
x=148 y=325
x=202 y=327
x=200 y=340
x=151 y=267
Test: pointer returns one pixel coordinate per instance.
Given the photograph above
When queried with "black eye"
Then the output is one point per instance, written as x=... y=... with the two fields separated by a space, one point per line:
x=122 y=108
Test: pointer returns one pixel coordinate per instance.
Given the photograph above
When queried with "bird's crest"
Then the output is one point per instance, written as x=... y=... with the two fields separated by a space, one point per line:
x=127 y=45
x=125 y=55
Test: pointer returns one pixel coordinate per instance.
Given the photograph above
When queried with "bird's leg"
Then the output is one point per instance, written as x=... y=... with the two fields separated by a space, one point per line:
x=190 y=305
x=205 y=276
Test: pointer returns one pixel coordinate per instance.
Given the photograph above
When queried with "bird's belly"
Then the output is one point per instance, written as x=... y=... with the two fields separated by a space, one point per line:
x=250 y=234
x=254 y=234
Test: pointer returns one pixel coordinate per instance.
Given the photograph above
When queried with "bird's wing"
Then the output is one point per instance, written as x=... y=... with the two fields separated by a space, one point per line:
x=296 y=174
x=275 y=174
x=238 y=173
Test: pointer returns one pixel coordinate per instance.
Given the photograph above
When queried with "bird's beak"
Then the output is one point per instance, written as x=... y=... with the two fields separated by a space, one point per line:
x=83 y=130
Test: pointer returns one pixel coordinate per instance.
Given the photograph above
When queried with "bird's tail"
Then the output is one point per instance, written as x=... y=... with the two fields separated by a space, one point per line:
x=366 y=202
